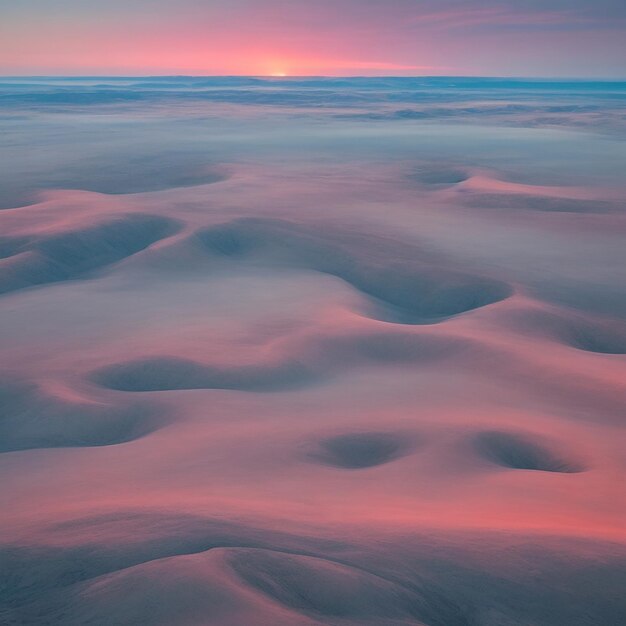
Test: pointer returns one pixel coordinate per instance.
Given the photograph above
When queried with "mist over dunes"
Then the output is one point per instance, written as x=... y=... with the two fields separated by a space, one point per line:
x=312 y=351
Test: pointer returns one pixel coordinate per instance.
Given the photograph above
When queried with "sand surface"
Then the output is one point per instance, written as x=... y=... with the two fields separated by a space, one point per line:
x=298 y=354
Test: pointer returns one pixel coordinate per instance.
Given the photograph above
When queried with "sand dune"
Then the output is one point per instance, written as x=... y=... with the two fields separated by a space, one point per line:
x=312 y=352
x=33 y=418
x=56 y=256
x=253 y=574
x=383 y=269
x=483 y=190
x=302 y=361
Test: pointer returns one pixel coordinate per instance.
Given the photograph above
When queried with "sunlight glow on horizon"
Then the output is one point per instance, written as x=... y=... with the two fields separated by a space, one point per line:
x=297 y=38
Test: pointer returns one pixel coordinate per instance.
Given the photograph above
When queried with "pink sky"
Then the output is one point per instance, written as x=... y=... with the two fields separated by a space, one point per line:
x=343 y=37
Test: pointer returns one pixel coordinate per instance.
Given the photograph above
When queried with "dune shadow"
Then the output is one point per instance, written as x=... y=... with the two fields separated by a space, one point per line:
x=153 y=567
x=32 y=418
x=538 y=203
x=515 y=451
x=439 y=174
x=10 y=246
x=303 y=362
x=359 y=450
x=601 y=338
x=42 y=259
x=330 y=590
x=412 y=286
x=600 y=335
x=172 y=373
x=136 y=173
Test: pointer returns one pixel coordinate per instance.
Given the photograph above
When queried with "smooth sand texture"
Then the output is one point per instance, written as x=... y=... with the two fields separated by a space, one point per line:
x=305 y=361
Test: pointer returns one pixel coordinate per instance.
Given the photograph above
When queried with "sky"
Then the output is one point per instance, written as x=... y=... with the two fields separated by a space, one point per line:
x=552 y=38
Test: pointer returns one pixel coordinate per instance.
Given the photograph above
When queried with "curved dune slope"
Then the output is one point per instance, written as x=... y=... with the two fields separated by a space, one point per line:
x=65 y=254
x=32 y=418
x=180 y=570
x=592 y=335
x=397 y=274
x=300 y=362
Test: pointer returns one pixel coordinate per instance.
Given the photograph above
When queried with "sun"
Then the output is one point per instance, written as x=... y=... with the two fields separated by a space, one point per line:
x=278 y=74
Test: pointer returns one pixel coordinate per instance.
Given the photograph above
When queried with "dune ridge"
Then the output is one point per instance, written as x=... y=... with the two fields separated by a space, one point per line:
x=300 y=362
x=412 y=286
x=58 y=256
x=229 y=572
x=33 y=418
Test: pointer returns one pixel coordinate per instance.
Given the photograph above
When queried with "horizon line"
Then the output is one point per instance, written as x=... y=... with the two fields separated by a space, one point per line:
x=326 y=77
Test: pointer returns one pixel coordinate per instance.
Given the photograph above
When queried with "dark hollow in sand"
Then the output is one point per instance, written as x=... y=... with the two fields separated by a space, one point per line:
x=360 y=450
x=439 y=175
x=521 y=452
x=172 y=373
x=604 y=336
x=601 y=338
